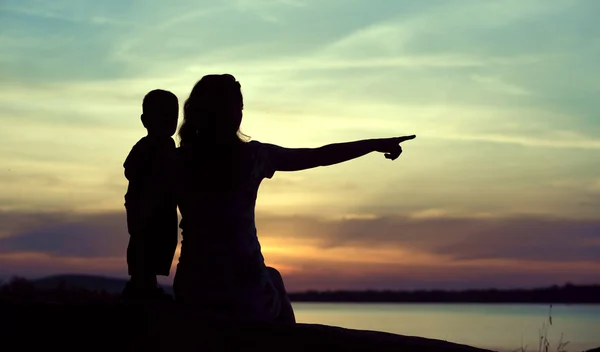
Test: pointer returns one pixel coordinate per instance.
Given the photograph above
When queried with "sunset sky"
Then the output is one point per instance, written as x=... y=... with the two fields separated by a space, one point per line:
x=500 y=188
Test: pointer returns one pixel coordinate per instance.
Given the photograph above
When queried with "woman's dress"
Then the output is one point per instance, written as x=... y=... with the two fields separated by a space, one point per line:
x=221 y=268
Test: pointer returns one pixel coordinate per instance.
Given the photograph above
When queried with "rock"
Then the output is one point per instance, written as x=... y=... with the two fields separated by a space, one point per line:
x=107 y=327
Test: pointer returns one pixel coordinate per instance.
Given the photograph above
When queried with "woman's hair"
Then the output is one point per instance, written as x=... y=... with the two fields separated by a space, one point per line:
x=212 y=114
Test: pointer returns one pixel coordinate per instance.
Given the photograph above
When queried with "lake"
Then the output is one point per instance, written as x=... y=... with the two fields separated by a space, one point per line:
x=503 y=327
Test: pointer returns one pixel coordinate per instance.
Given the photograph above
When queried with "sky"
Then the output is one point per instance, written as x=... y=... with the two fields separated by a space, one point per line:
x=501 y=187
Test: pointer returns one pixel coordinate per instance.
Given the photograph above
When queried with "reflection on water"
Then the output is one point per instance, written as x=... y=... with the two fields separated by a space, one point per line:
x=494 y=326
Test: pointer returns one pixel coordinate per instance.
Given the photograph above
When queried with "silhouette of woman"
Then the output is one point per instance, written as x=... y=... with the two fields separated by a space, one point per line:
x=221 y=268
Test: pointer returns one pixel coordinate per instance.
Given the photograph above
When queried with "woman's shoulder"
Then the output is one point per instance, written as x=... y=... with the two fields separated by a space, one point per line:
x=254 y=144
x=262 y=150
x=261 y=156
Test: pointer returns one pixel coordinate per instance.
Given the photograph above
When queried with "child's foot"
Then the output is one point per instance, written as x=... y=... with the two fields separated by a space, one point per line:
x=136 y=294
x=130 y=293
x=161 y=295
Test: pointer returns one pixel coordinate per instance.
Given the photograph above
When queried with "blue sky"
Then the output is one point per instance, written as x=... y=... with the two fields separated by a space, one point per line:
x=503 y=96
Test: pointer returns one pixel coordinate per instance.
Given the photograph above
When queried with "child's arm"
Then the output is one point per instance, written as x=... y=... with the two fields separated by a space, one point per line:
x=142 y=187
x=145 y=205
x=295 y=159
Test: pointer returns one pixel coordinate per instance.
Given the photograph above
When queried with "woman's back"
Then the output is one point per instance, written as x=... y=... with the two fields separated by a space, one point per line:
x=216 y=197
x=220 y=188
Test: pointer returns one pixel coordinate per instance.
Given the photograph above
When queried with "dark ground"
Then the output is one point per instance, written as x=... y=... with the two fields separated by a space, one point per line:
x=110 y=327
x=83 y=319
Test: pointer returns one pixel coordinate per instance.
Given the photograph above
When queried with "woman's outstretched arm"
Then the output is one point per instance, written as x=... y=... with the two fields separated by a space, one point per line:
x=292 y=159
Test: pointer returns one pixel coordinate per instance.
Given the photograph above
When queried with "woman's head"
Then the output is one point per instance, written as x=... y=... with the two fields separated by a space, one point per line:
x=213 y=111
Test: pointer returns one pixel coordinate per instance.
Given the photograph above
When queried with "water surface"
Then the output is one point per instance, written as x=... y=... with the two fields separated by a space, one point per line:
x=496 y=326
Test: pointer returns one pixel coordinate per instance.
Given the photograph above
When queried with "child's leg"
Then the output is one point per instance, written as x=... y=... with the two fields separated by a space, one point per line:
x=286 y=313
x=142 y=283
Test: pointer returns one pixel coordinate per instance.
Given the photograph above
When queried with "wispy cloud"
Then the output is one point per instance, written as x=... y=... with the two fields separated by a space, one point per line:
x=502 y=96
x=500 y=86
x=571 y=143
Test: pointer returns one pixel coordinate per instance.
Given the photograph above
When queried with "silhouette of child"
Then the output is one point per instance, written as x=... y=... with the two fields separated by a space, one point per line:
x=150 y=200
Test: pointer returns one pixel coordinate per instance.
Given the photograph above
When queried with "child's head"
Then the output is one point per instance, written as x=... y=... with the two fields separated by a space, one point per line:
x=160 y=110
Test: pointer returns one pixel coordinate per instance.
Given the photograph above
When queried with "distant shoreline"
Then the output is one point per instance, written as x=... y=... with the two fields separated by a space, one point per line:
x=566 y=294
x=544 y=304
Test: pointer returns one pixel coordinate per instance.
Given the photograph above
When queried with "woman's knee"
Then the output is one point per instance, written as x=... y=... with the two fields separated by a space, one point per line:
x=275 y=276
x=273 y=272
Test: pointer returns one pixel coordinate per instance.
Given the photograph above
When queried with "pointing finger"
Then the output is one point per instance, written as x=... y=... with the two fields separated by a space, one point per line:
x=406 y=138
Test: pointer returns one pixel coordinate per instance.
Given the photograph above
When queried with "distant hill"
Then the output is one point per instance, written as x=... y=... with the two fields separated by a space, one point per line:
x=90 y=282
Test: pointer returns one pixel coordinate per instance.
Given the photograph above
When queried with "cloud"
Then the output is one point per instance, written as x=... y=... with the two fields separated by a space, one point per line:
x=456 y=73
x=458 y=238
x=561 y=143
x=61 y=13
x=554 y=240
x=267 y=10
x=192 y=15
x=358 y=250
x=326 y=276
x=451 y=24
x=499 y=85
x=524 y=238
x=66 y=235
